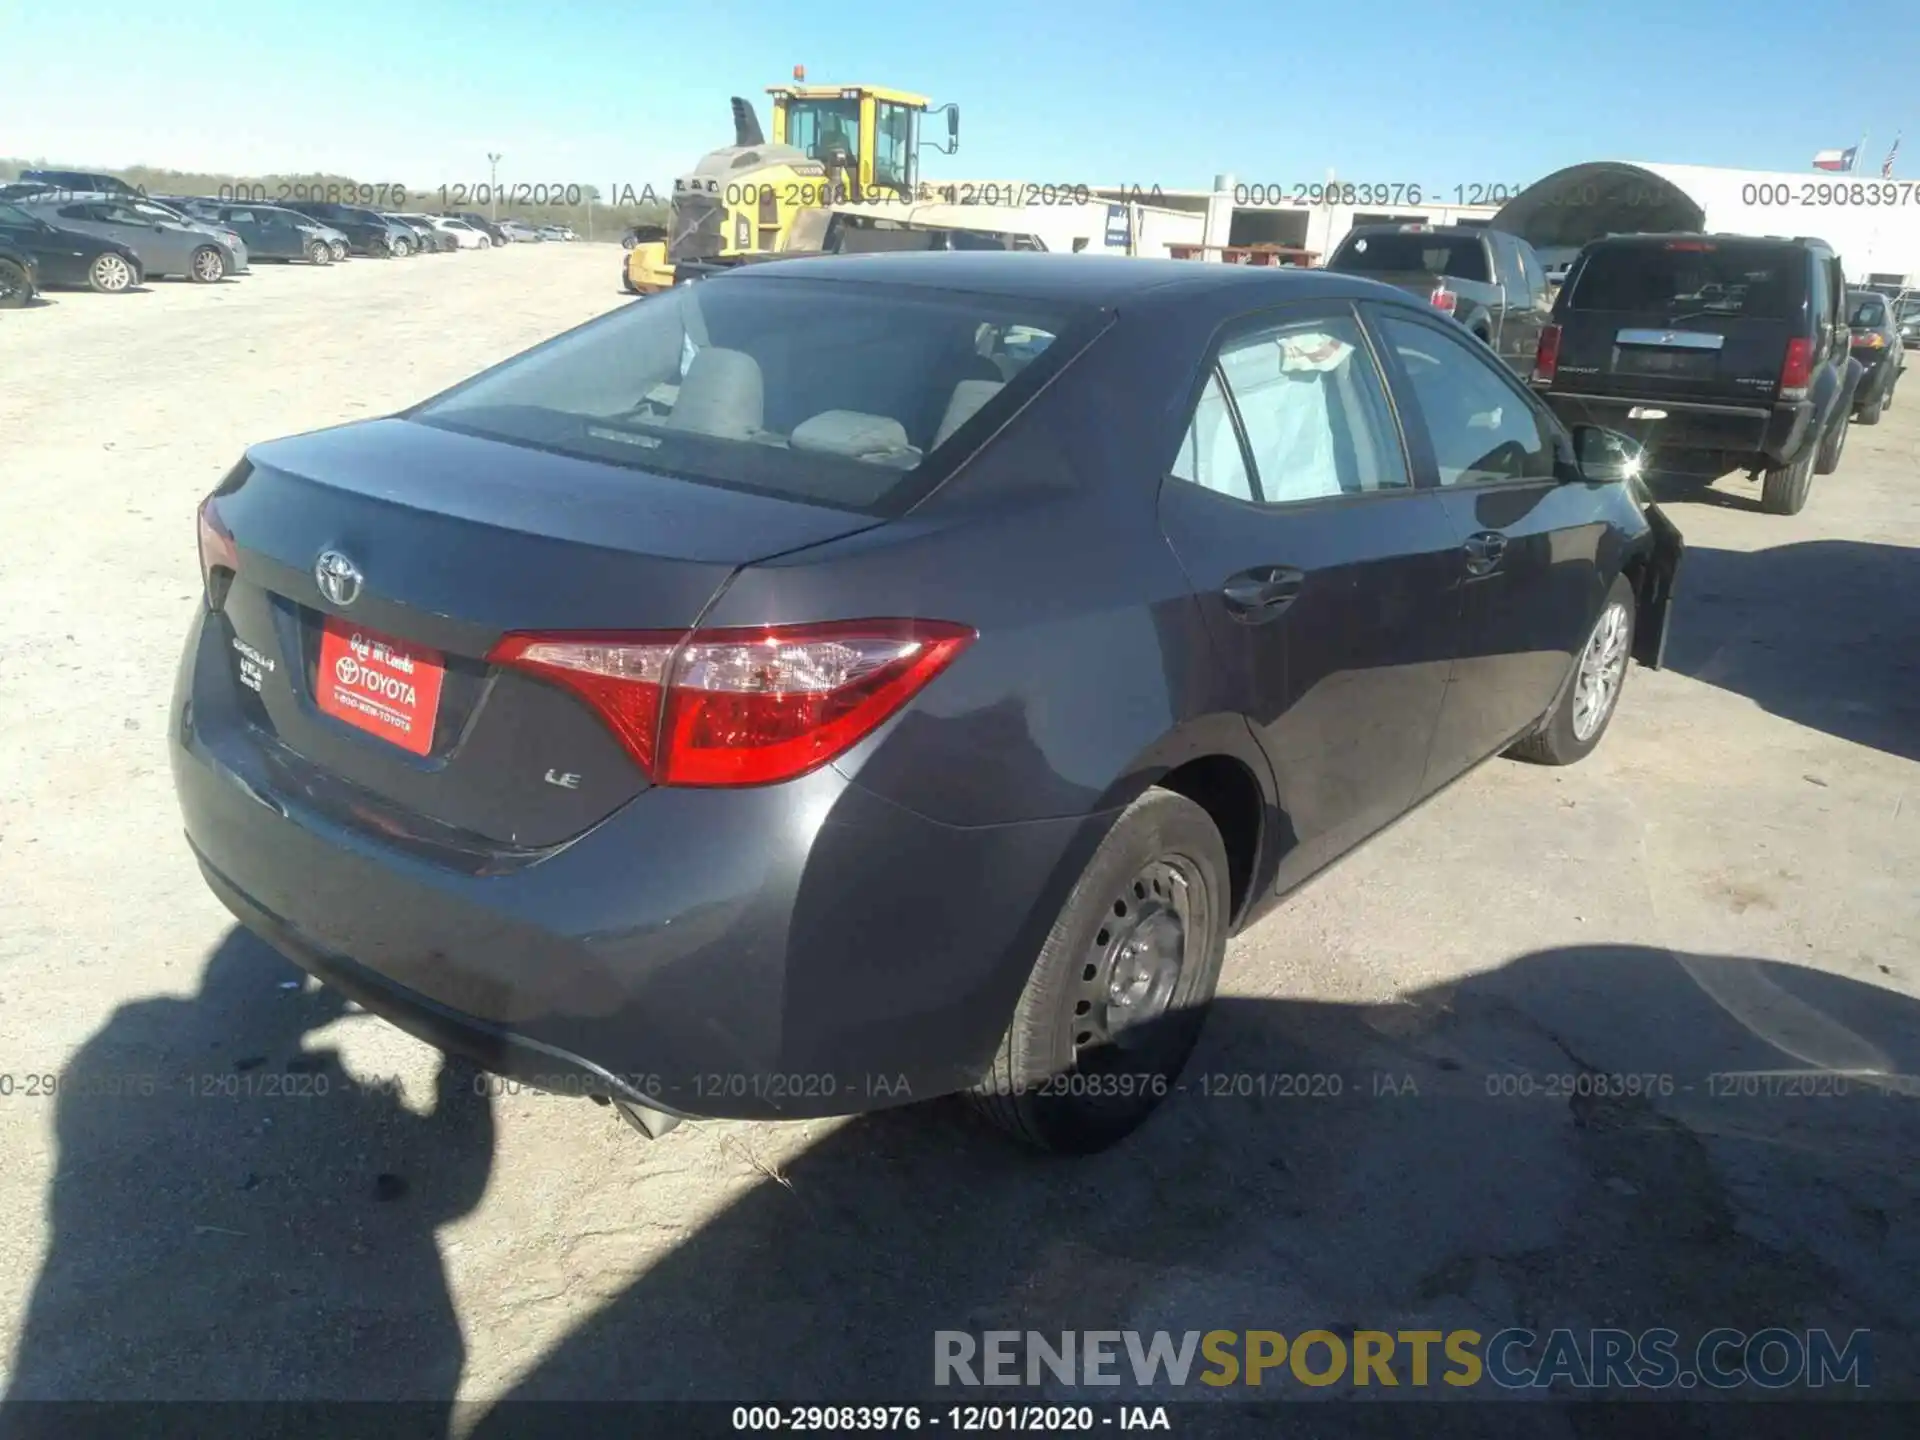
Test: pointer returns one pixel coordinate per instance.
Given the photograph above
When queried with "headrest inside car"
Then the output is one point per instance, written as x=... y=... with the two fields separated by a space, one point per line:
x=856 y=436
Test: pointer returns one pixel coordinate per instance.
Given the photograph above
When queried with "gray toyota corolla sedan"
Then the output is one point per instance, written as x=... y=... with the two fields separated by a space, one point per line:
x=853 y=680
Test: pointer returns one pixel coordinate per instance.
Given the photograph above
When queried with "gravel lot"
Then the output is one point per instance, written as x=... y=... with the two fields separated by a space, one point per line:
x=1729 y=885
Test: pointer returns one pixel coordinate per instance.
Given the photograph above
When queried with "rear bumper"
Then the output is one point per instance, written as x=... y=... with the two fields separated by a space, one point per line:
x=794 y=950
x=1774 y=433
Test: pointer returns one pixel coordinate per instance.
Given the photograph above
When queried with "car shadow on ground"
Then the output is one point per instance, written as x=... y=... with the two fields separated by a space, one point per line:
x=1820 y=632
x=233 y=1218
x=1593 y=1136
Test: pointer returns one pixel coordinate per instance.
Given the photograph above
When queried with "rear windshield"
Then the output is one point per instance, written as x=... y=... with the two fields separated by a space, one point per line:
x=1460 y=256
x=850 y=395
x=1869 y=312
x=1700 y=281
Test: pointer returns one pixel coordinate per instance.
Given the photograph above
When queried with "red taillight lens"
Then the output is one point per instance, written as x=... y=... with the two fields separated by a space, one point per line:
x=1546 y=355
x=1443 y=298
x=217 y=552
x=1797 y=368
x=743 y=707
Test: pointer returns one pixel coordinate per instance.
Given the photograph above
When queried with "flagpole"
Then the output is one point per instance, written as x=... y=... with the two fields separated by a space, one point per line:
x=1858 y=153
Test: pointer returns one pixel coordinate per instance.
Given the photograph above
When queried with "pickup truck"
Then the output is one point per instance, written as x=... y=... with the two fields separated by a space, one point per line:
x=1491 y=282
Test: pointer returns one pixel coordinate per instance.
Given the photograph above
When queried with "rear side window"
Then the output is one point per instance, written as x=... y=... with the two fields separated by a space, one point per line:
x=1694 y=279
x=827 y=392
x=1869 y=313
x=1313 y=412
x=1462 y=257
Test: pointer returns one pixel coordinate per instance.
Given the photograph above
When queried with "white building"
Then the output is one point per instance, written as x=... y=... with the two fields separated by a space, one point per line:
x=1237 y=214
x=1873 y=224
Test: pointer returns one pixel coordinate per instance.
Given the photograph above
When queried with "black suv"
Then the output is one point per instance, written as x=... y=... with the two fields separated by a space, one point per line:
x=1715 y=351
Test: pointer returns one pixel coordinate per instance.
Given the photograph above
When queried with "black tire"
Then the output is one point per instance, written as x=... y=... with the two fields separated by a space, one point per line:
x=319 y=253
x=1784 y=491
x=1071 y=1075
x=206 y=266
x=1570 y=732
x=110 y=275
x=1828 y=460
x=1870 y=414
x=15 y=288
x=401 y=248
x=340 y=250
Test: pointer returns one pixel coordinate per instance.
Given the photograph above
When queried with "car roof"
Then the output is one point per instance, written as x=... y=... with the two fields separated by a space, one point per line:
x=1098 y=280
x=1717 y=236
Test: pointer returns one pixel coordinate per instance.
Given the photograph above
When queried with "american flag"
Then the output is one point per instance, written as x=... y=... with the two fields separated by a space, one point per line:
x=1886 y=166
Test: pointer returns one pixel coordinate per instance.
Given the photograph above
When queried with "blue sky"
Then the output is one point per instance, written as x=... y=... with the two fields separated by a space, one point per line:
x=588 y=91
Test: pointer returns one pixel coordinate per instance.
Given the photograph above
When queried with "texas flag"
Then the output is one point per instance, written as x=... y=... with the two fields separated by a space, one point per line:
x=1836 y=159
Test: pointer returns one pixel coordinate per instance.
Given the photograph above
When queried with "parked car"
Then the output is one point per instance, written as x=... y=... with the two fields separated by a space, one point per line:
x=165 y=246
x=1727 y=351
x=275 y=234
x=463 y=235
x=81 y=181
x=445 y=237
x=68 y=257
x=426 y=239
x=367 y=231
x=624 y=793
x=556 y=232
x=1906 y=315
x=19 y=276
x=160 y=211
x=481 y=223
x=1876 y=346
x=520 y=232
x=1491 y=282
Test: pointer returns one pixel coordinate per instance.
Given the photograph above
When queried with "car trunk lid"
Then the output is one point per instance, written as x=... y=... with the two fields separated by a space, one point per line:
x=373 y=697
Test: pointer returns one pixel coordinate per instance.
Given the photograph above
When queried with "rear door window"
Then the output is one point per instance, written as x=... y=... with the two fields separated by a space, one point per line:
x=1314 y=411
x=1692 y=280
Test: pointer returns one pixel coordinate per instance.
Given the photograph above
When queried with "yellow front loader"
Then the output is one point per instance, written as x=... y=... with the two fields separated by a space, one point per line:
x=831 y=144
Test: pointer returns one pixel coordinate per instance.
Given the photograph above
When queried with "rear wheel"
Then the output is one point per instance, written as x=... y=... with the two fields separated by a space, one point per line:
x=110 y=274
x=1119 y=994
x=1784 y=491
x=1579 y=718
x=206 y=266
x=1870 y=414
x=319 y=252
x=15 y=288
x=1828 y=459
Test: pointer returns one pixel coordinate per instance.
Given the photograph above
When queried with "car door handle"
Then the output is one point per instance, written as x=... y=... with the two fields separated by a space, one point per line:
x=1483 y=550
x=1261 y=593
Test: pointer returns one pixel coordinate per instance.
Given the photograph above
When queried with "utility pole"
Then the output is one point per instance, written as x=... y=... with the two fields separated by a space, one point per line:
x=493 y=186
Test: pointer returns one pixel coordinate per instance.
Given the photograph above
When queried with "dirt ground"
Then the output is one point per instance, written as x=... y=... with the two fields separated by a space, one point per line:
x=1729 y=885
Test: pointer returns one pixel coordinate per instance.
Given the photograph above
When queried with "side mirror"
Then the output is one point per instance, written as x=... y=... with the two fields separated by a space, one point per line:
x=1607 y=455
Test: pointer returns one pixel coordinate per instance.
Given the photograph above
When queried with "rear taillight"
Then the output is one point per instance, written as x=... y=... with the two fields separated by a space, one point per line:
x=1443 y=298
x=1873 y=341
x=1797 y=368
x=742 y=707
x=1546 y=355
x=219 y=556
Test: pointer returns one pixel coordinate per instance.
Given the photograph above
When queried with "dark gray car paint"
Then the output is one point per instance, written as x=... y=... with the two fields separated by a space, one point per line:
x=857 y=937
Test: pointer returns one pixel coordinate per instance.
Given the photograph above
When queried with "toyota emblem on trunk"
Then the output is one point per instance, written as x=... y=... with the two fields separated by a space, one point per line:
x=338 y=577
